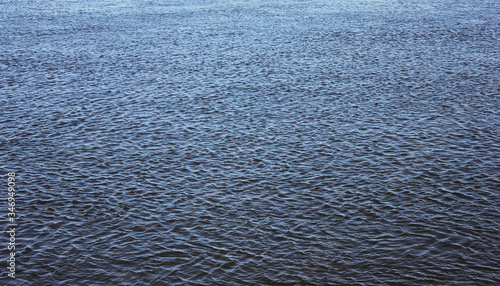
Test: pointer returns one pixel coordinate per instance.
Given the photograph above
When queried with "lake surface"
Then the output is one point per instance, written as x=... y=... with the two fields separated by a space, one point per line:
x=252 y=142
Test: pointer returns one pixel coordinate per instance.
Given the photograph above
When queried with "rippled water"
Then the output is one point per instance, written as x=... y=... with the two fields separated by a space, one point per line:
x=252 y=142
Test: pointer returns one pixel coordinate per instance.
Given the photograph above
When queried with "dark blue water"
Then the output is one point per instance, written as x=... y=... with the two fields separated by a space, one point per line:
x=252 y=142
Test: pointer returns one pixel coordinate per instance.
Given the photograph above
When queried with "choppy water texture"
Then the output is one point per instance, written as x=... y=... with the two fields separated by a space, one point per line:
x=252 y=142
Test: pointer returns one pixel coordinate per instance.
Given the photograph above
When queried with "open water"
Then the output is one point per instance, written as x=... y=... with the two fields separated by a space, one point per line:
x=278 y=142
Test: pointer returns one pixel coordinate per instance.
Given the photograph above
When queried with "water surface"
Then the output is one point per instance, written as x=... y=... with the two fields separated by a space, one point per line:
x=252 y=142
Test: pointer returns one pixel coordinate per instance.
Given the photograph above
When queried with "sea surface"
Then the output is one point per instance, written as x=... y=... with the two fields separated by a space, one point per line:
x=232 y=142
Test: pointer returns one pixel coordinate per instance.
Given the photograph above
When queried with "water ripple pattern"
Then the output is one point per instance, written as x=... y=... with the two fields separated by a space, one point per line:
x=254 y=142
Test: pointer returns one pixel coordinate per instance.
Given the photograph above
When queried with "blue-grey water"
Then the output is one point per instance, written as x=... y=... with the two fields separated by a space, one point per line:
x=279 y=142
